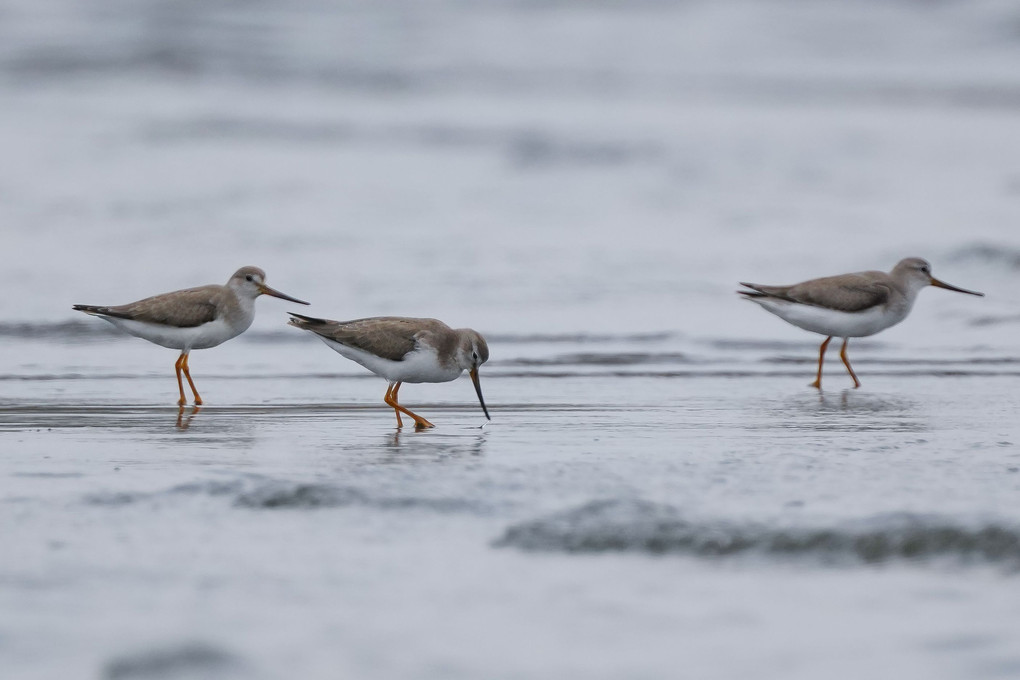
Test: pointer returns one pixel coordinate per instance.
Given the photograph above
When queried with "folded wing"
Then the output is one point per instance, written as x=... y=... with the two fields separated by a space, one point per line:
x=389 y=337
x=844 y=293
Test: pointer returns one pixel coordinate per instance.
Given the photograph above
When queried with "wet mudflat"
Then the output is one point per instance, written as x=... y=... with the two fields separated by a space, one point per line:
x=659 y=494
x=659 y=521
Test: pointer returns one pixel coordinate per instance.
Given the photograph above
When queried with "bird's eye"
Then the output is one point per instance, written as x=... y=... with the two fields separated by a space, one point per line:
x=474 y=355
x=249 y=277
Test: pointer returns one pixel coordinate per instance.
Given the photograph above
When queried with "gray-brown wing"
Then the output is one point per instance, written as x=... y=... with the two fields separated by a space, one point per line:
x=183 y=308
x=390 y=337
x=845 y=293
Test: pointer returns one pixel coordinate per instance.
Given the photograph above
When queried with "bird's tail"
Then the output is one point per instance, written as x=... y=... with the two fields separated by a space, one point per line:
x=754 y=292
x=91 y=309
x=305 y=322
x=758 y=291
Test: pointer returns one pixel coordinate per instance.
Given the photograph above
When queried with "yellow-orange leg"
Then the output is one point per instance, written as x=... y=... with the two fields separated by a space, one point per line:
x=391 y=400
x=182 y=365
x=821 y=358
x=178 y=366
x=846 y=362
x=391 y=393
x=187 y=374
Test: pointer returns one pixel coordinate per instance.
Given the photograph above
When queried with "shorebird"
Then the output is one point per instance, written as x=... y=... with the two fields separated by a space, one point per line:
x=193 y=318
x=849 y=305
x=403 y=350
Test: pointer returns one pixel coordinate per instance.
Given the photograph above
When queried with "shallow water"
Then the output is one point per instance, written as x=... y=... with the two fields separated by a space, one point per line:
x=658 y=492
x=612 y=524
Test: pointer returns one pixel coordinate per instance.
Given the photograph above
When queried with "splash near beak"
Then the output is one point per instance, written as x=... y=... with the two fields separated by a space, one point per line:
x=478 y=389
x=940 y=284
x=266 y=290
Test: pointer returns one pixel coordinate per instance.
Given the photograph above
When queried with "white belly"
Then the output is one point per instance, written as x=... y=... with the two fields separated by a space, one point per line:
x=420 y=366
x=832 y=322
x=185 y=339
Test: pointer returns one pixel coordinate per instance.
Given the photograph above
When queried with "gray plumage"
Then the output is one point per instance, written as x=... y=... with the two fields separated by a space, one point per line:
x=182 y=308
x=845 y=293
x=388 y=337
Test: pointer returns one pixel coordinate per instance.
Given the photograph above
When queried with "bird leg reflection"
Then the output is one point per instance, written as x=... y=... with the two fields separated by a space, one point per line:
x=185 y=423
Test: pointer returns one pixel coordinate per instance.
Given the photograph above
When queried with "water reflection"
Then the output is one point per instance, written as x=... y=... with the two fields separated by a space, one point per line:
x=855 y=401
x=849 y=410
x=184 y=423
x=229 y=427
x=433 y=445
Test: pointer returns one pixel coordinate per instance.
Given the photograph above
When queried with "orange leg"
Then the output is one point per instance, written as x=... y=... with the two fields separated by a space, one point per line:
x=821 y=358
x=846 y=362
x=187 y=374
x=391 y=400
x=391 y=393
x=178 y=365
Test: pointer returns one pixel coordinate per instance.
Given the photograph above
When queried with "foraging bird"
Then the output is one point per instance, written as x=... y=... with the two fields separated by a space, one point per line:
x=193 y=318
x=849 y=305
x=403 y=350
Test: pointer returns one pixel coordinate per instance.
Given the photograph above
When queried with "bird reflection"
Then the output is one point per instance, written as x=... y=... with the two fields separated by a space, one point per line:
x=827 y=401
x=866 y=403
x=184 y=422
x=434 y=446
x=848 y=411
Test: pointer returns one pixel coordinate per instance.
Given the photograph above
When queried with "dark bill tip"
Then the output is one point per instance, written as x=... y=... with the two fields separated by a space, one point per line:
x=942 y=284
x=266 y=290
x=478 y=391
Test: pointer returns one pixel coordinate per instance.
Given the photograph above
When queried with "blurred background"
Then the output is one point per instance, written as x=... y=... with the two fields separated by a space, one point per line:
x=584 y=182
x=517 y=166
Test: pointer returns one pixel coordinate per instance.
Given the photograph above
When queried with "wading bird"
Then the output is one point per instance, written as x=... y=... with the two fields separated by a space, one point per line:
x=403 y=350
x=193 y=318
x=849 y=305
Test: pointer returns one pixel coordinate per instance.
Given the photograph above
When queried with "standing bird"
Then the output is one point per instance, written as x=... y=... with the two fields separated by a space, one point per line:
x=403 y=350
x=193 y=318
x=849 y=305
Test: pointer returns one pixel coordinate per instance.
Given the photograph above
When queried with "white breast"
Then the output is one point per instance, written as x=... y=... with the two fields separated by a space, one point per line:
x=833 y=322
x=420 y=366
x=197 y=337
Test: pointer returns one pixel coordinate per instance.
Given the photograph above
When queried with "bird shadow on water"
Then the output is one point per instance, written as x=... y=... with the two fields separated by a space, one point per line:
x=846 y=410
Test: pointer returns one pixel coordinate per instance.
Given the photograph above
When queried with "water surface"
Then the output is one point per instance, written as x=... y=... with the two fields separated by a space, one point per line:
x=659 y=492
